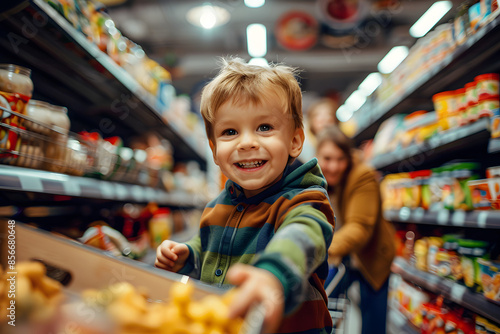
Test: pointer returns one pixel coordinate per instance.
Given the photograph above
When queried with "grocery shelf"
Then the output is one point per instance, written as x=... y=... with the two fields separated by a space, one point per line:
x=448 y=143
x=69 y=70
x=479 y=54
x=475 y=219
x=448 y=289
x=38 y=181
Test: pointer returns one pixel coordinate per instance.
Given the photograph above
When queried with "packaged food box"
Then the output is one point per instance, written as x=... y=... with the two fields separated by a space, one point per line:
x=490 y=279
x=485 y=193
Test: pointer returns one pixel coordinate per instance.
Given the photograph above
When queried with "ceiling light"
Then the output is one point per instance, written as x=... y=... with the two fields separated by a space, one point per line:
x=259 y=62
x=344 y=113
x=392 y=59
x=355 y=100
x=371 y=82
x=430 y=18
x=257 y=40
x=255 y=3
x=207 y=16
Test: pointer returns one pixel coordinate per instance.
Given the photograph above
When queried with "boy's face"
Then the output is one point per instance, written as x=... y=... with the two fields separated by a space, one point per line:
x=253 y=143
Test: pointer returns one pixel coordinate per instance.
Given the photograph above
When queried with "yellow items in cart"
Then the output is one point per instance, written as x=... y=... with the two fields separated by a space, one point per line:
x=134 y=313
x=28 y=295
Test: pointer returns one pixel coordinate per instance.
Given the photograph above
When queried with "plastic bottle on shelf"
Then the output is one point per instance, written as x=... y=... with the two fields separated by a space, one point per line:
x=160 y=226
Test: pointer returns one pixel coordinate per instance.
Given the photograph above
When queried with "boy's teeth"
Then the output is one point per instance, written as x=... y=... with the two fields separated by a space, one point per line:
x=252 y=164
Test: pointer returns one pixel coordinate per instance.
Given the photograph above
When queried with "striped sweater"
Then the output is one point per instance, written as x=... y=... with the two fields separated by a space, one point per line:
x=285 y=229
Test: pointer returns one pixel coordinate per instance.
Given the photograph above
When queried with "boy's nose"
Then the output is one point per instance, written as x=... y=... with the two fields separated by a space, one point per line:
x=248 y=141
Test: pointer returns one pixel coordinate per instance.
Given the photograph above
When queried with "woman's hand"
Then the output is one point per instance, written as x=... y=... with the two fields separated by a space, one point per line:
x=171 y=255
x=257 y=286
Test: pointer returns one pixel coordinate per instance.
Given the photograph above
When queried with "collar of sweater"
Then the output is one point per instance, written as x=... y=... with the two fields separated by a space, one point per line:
x=295 y=176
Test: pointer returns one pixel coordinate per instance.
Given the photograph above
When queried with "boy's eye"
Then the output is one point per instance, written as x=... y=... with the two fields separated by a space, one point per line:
x=265 y=127
x=229 y=132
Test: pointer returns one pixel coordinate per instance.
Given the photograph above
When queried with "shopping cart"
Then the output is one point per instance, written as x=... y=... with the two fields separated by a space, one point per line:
x=339 y=306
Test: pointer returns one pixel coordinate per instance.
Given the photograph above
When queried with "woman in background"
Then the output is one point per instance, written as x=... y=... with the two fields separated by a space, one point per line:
x=362 y=237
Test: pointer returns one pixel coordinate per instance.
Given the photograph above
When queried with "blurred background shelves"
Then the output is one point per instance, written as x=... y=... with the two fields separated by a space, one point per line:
x=455 y=292
x=476 y=219
x=480 y=53
x=72 y=71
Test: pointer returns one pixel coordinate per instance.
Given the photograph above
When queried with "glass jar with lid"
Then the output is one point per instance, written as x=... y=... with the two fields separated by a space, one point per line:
x=40 y=114
x=16 y=89
x=56 y=147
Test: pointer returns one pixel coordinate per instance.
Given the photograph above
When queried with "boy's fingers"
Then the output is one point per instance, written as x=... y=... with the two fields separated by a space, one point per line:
x=238 y=274
x=164 y=252
x=163 y=260
x=245 y=296
x=180 y=250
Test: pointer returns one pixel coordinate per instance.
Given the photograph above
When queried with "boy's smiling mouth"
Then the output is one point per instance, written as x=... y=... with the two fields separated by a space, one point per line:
x=250 y=164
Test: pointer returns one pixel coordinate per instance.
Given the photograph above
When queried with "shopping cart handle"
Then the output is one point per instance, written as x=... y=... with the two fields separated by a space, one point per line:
x=341 y=269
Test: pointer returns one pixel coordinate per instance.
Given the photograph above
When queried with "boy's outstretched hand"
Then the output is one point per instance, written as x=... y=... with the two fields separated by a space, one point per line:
x=171 y=255
x=257 y=286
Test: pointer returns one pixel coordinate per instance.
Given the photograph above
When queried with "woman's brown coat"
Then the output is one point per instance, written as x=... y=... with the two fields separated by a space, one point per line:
x=363 y=233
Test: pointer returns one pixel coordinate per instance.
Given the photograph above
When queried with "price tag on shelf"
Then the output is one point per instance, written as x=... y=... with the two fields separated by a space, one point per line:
x=137 y=193
x=482 y=218
x=458 y=218
x=71 y=187
x=457 y=292
x=432 y=280
x=107 y=190
x=31 y=183
x=404 y=213
x=150 y=194
x=418 y=214
x=121 y=191
x=452 y=136
x=443 y=217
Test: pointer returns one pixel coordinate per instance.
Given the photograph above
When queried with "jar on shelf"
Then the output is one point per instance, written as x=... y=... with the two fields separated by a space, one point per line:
x=471 y=93
x=487 y=85
x=461 y=105
x=34 y=140
x=59 y=119
x=76 y=157
x=16 y=89
x=56 y=147
x=40 y=114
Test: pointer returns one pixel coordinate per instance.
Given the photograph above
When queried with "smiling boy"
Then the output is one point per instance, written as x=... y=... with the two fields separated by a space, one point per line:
x=269 y=230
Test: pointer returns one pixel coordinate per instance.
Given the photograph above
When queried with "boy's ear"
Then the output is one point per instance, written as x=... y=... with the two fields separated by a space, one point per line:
x=297 y=142
x=213 y=148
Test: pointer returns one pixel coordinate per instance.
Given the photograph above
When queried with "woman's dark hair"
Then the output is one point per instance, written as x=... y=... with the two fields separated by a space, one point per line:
x=334 y=135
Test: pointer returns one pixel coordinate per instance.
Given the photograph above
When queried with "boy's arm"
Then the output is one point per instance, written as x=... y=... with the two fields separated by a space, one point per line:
x=300 y=244
x=193 y=263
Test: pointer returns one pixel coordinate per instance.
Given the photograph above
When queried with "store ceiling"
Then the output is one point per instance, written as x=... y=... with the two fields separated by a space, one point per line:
x=330 y=66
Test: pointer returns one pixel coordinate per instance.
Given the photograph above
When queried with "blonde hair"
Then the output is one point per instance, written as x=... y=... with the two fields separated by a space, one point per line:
x=244 y=83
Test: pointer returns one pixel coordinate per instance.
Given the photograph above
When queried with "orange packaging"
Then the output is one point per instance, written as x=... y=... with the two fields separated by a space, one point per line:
x=444 y=103
x=486 y=106
x=480 y=192
x=487 y=85
x=471 y=93
x=460 y=99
